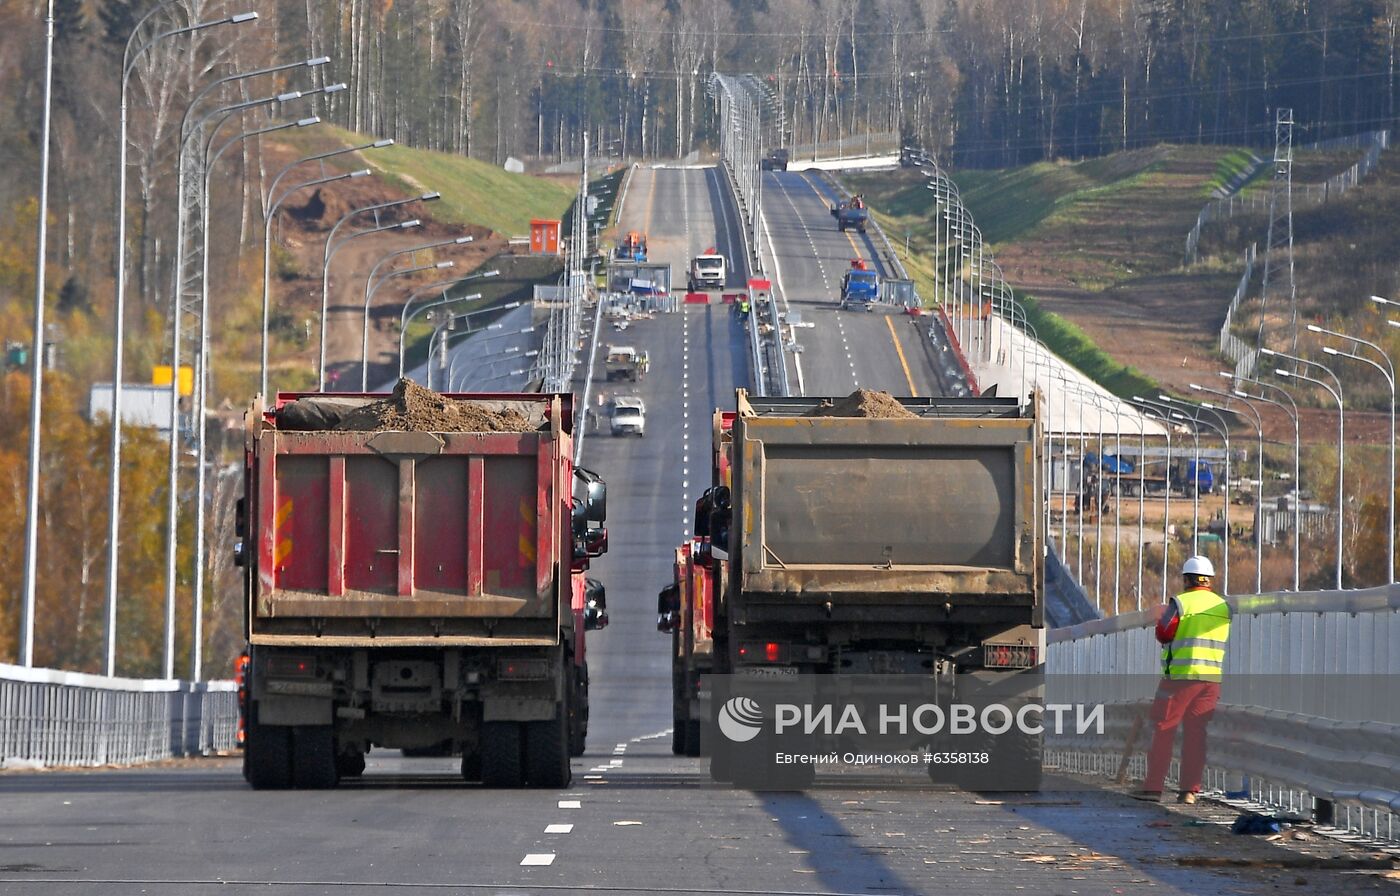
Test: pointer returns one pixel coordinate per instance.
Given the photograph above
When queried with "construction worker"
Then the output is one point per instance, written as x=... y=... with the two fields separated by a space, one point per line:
x=1194 y=630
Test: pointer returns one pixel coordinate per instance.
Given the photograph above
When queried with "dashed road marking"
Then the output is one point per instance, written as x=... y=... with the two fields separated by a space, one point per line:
x=538 y=858
x=570 y=804
x=559 y=829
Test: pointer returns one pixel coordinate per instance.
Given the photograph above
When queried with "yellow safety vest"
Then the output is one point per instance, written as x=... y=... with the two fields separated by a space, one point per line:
x=1197 y=651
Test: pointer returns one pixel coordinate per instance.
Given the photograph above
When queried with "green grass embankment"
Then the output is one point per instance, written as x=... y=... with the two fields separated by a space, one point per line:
x=473 y=192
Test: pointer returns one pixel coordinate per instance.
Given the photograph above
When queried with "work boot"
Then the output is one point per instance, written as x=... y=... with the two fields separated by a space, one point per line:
x=1187 y=797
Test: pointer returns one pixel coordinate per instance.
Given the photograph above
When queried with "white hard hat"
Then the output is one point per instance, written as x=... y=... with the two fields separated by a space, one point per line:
x=1198 y=566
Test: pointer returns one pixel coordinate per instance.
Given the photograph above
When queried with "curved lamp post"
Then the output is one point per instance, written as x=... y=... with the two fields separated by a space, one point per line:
x=432 y=266
x=1291 y=411
x=452 y=363
x=370 y=286
x=273 y=207
x=1388 y=371
x=1221 y=429
x=1259 y=460
x=328 y=253
x=1150 y=411
x=405 y=317
x=1341 y=457
x=129 y=59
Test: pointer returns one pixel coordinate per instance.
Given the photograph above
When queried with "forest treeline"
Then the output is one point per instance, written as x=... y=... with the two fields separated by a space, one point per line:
x=979 y=82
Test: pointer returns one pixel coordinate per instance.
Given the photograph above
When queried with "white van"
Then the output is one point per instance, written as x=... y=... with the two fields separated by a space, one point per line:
x=629 y=417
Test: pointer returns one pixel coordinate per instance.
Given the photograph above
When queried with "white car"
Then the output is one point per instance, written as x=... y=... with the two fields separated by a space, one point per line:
x=629 y=417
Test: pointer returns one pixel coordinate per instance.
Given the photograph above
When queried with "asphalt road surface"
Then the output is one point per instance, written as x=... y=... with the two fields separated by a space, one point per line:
x=636 y=820
x=841 y=350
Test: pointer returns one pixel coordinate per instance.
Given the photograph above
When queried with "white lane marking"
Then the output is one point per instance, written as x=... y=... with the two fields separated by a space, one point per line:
x=570 y=804
x=538 y=858
x=559 y=829
x=615 y=763
x=598 y=768
x=592 y=777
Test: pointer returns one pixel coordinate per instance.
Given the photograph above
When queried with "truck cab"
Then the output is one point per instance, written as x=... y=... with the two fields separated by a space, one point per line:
x=776 y=160
x=623 y=363
x=633 y=247
x=851 y=214
x=860 y=286
x=707 y=271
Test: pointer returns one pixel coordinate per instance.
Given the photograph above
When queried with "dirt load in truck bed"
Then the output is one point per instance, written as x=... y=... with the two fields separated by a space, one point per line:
x=863 y=403
x=411 y=408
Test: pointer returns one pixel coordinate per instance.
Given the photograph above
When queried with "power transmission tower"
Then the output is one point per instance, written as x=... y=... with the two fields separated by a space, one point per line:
x=1280 y=228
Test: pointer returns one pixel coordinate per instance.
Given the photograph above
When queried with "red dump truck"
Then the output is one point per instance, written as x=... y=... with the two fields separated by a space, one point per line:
x=854 y=537
x=417 y=585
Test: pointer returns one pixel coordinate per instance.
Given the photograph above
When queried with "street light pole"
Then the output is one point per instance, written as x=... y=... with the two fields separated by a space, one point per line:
x=1291 y=410
x=1151 y=411
x=129 y=59
x=1259 y=460
x=1388 y=371
x=328 y=253
x=200 y=398
x=1390 y=493
x=198 y=389
x=1223 y=430
x=1341 y=454
x=369 y=294
x=273 y=205
x=452 y=362
x=36 y=351
x=369 y=297
x=451 y=300
x=405 y=317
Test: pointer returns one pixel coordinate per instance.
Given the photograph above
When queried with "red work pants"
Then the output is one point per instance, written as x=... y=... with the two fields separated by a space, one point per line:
x=1178 y=702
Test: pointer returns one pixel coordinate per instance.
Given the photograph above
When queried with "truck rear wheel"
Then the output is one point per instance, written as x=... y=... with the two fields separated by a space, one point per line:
x=313 y=757
x=547 y=752
x=500 y=754
x=471 y=765
x=267 y=756
x=721 y=769
x=350 y=765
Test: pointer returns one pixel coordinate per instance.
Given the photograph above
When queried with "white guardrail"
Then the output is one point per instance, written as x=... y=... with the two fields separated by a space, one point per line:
x=1308 y=719
x=765 y=355
x=51 y=718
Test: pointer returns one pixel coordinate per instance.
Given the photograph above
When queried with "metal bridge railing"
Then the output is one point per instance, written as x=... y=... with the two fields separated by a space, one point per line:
x=52 y=718
x=1307 y=720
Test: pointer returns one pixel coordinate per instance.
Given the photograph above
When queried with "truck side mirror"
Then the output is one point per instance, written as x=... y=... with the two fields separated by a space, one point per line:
x=668 y=609
x=595 y=608
x=595 y=495
x=720 y=513
x=595 y=592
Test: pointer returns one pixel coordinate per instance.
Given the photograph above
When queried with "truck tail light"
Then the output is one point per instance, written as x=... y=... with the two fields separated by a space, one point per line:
x=1008 y=656
x=523 y=669
x=764 y=651
x=291 y=666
